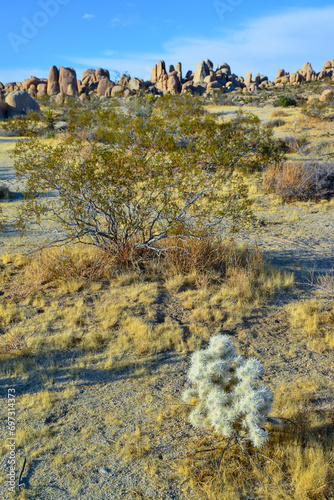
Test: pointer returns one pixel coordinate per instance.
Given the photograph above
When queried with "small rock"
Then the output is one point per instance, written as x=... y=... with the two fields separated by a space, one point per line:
x=61 y=125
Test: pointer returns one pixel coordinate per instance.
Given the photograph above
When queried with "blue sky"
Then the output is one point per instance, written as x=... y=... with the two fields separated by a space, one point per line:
x=131 y=36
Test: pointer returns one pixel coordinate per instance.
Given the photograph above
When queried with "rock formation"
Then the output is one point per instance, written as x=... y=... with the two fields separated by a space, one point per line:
x=53 y=81
x=67 y=81
x=204 y=79
x=19 y=102
x=201 y=71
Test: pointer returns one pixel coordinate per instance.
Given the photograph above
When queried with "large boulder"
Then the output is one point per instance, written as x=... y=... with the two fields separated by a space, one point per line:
x=3 y=110
x=257 y=79
x=281 y=73
x=324 y=73
x=209 y=64
x=248 y=79
x=188 y=87
x=305 y=68
x=329 y=64
x=117 y=89
x=102 y=73
x=124 y=80
x=33 y=80
x=296 y=78
x=214 y=85
x=226 y=68
x=229 y=87
x=32 y=91
x=134 y=84
x=221 y=76
x=19 y=102
x=173 y=84
x=67 y=80
x=178 y=69
x=53 y=81
x=307 y=72
x=89 y=81
x=327 y=95
x=158 y=70
x=162 y=83
x=154 y=74
x=72 y=90
x=103 y=85
x=161 y=69
x=41 y=89
x=88 y=72
x=209 y=78
x=201 y=71
x=10 y=87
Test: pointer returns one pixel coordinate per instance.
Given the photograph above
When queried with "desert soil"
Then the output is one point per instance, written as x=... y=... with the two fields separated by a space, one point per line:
x=294 y=237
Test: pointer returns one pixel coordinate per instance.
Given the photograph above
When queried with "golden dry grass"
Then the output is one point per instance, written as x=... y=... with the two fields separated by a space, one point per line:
x=296 y=463
x=57 y=295
x=314 y=318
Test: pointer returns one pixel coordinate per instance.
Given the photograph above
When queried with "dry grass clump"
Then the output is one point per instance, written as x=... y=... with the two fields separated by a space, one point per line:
x=300 y=181
x=278 y=113
x=244 y=284
x=296 y=463
x=80 y=298
x=11 y=340
x=68 y=267
x=314 y=318
x=276 y=123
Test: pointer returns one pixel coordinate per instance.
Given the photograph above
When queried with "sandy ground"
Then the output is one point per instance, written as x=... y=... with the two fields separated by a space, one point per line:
x=294 y=237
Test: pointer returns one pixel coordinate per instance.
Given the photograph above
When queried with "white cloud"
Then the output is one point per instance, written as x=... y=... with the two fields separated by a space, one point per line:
x=109 y=53
x=265 y=44
x=261 y=45
x=115 y=20
x=88 y=17
x=124 y=22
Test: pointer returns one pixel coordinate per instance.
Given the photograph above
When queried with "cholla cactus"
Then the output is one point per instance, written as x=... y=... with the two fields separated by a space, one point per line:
x=228 y=393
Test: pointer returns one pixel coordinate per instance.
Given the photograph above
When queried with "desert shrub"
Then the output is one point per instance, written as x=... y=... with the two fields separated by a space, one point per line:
x=49 y=118
x=325 y=285
x=276 y=123
x=297 y=145
x=228 y=395
x=300 y=181
x=22 y=126
x=149 y=173
x=316 y=109
x=285 y=102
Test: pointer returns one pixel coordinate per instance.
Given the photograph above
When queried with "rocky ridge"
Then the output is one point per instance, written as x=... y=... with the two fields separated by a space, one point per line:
x=204 y=80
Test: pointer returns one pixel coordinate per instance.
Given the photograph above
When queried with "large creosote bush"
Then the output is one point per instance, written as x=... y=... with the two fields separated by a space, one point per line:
x=151 y=171
x=227 y=393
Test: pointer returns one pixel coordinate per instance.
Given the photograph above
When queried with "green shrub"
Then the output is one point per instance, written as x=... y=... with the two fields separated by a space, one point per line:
x=285 y=102
x=149 y=172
